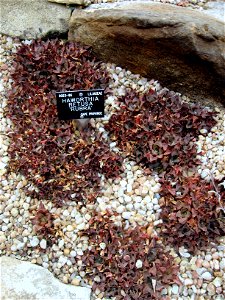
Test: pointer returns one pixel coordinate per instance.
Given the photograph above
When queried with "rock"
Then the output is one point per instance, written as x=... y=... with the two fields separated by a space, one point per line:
x=20 y=18
x=211 y=289
x=160 y=41
x=183 y=252
x=77 y=2
x=75 y=281
x=14 y=212
x=188 y=281
x=23 y=280
x=43 y=244
x=217 y=281
x=215 y=9
x=139 y=264
x=206 y=276
x=175 y=289
x=34 y=241
x=126 y=215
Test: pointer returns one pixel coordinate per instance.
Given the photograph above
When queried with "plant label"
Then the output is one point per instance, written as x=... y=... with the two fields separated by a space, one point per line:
x=83 y=104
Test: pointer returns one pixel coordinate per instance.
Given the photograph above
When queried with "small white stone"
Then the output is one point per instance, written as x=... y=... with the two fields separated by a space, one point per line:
x=183 y=252
x=203 y=131
x=13 y=248
x=120 y=209
x=123 y=183
x=137 y=205
x=87 y=217
x=14 y=212
x=137 y=198
x=205 y=173
x=102 y=246
x=26 y=206
x=188 y=281
x=5 y=159
x=222 y=264
x=206 y=276
x=127 y=198
x=102 y=206
x=4 y=228
x=34 y=241
x=175 y=289
x=61 y=244
x=43 y=244
x=208 y=257
x=66 y=213
x=155 y=201
x=69 y=228
x=129 y=188
x=130 y=206
x=112 y=145
x=63 y=260
x=20 y=246
x=81 y=226
x=80 y=252
x=217 y=281
x=73 y=253
x=126 y=215
x=139 y=264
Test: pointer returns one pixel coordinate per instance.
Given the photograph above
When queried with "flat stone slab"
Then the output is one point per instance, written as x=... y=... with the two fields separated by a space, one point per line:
x=28 y=19
x=25 y=281
x=183 y=48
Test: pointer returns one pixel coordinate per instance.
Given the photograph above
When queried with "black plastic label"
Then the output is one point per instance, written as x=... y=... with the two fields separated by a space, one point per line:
x=80 y=104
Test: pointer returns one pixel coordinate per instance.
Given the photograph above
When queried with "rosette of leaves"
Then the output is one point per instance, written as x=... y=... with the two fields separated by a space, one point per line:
x=43 y=221
x=43 y=148
x=111 y=261
x=158 y=130
x=192 y=215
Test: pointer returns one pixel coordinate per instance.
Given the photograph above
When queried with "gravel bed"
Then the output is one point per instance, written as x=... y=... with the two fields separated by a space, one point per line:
x=134 y=196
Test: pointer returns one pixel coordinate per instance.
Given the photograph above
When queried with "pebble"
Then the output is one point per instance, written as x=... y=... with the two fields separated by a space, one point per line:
x=14 y=212
x=206 y=276
x=126 y=215
x=175 y=289
x=75 y=282
x=43 y=244
x=217 y=281
x=69 y=228
x=139 y=264
x=34 y=241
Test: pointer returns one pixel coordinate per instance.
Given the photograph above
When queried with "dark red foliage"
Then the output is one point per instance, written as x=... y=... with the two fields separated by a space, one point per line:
x=43 y=221
x=116 y=263
x=158 y=129
x=192 y=214
x=44 y=149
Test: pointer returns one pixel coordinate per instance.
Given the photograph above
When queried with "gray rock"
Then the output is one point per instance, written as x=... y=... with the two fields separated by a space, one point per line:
x=215 y=9
x=22 y=280
x=33 y=19
x=181 y=47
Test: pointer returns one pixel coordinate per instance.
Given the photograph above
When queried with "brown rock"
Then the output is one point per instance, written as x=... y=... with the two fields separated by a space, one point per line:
x=180 y=47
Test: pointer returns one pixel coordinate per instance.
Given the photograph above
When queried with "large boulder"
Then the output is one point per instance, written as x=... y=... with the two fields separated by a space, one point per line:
x=25 y=281
x=182 y=48
x=28 y=19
